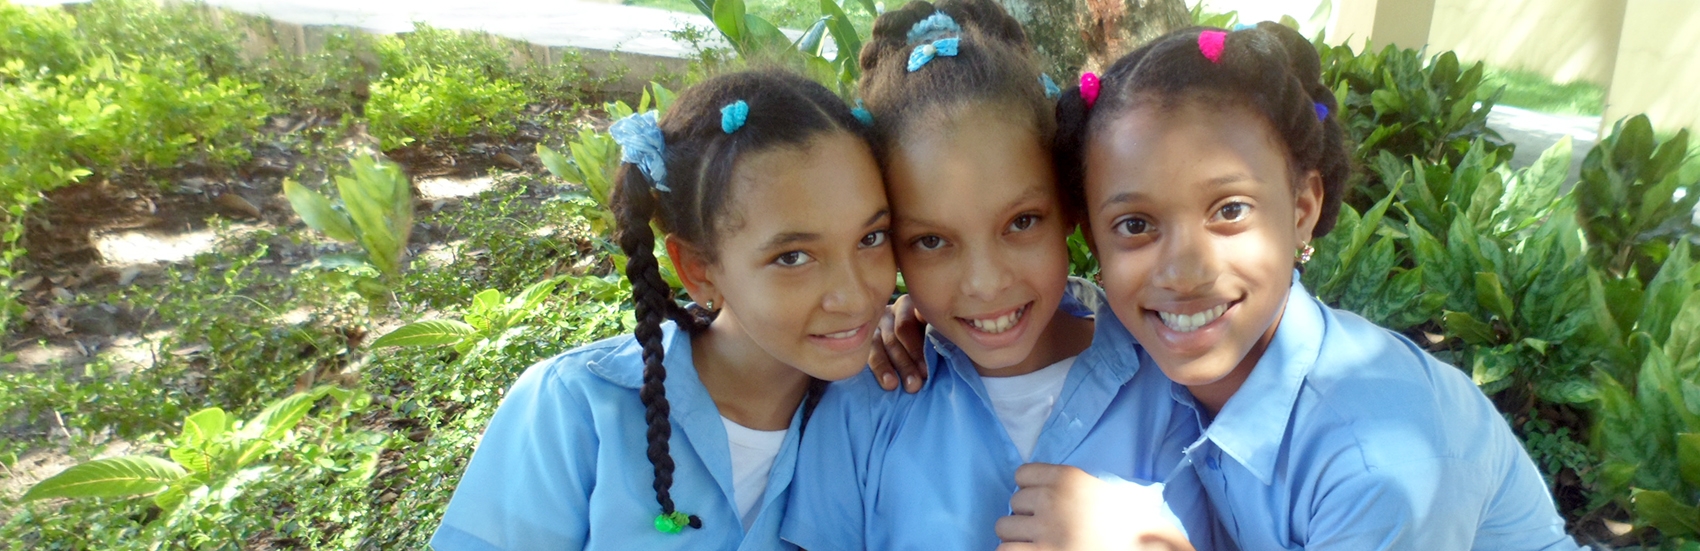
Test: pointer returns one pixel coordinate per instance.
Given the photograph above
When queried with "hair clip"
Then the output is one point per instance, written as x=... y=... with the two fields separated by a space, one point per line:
x=926 y=52
x=1051 y=89
x=1243 y=27
x=1211 y=43
x=641 y=145
x=1321 y=111
x=1089 y=88
x=933 y=27
x=733 y=115
x=861 y=113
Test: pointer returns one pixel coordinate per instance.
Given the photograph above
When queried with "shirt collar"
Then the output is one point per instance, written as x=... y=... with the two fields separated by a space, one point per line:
x=623 y=364
x=1252 y=425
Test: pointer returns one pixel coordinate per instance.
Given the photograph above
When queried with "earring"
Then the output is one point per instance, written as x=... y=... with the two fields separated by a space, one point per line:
x=710 y=305
x=1305 y=253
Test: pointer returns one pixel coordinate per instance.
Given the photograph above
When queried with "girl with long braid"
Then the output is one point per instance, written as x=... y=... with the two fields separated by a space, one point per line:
x=683 y=435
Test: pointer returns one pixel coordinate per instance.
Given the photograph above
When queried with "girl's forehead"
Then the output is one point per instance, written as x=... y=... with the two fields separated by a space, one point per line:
x=809 y=189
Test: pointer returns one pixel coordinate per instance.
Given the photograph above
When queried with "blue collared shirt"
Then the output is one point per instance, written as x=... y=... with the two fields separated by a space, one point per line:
x=1347 y=436
x=563 y=464
x=935 y=470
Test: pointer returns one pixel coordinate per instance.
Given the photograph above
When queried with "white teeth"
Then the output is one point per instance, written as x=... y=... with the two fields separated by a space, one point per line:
x=998 y=324
x=842 y=334
x=1187 y=323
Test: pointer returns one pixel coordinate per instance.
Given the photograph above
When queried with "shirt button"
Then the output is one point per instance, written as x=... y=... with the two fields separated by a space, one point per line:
x=1211 y=462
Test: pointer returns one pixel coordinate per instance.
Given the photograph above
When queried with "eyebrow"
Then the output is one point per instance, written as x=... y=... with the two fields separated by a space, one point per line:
x=1029 y=195
x=1135 y=196
x=790 y=238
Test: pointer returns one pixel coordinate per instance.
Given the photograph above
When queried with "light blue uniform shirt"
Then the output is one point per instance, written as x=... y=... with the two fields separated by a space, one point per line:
x=563 y=464
x=1347 y=436
x=935 y=470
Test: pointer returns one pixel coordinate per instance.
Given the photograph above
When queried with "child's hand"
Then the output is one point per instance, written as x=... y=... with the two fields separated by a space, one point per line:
x=898 y=355
x=1062 y=508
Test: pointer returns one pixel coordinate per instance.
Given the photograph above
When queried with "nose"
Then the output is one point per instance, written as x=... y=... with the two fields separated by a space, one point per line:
x=988 y=274
x=848 y=290
x=1189 y=264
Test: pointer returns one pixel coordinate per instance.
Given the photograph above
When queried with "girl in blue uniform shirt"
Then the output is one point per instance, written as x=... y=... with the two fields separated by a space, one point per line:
x=683 y=435
x=1017 y=369
x=1209 y=161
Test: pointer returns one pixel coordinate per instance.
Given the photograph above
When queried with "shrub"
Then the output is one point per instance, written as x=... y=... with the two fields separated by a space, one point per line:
x=433 y=103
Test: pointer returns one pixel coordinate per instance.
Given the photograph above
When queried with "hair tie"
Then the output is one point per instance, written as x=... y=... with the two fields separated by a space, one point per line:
x=1321 y=111
x=861 y=113
x=733 y=115
x=1243 y=27
x=926 y=52
x=935 y=26
x=1051 y=89
x=642 y=146
x=1089 y=88
x=1211 y=44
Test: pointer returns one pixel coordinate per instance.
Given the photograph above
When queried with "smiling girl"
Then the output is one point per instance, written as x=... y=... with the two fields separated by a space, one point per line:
x=1017 y=369
x=683 y=435
x=1209 y=161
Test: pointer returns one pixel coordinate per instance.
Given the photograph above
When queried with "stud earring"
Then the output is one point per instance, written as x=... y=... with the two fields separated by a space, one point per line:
x=710 y=305
x=1305 y=253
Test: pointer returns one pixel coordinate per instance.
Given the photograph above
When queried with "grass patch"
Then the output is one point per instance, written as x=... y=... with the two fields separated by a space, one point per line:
x=1535 y=92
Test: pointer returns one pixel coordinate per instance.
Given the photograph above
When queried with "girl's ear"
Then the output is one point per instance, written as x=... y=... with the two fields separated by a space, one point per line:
x=1307 y=205
x=693 y=271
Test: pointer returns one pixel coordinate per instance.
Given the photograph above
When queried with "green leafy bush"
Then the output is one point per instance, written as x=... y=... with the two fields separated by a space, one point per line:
x=430 y=103
x=374 y=209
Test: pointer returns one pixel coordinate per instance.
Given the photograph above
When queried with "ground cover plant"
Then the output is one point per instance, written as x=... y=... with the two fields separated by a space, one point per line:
x=370 y=323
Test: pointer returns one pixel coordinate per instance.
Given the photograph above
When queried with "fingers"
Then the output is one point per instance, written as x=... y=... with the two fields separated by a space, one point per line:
x=1045 y=474
x=1029 y=501
x=1018 y=546
x=879 y=362
x=902 y=333
x=1018 y=528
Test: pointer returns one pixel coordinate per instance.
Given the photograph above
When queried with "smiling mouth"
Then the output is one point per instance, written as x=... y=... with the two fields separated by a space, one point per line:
x=998 y=324
x=1187 y=323
x=842 y=334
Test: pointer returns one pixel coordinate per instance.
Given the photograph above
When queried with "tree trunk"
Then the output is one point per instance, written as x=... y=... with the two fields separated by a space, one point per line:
x=1076 y=35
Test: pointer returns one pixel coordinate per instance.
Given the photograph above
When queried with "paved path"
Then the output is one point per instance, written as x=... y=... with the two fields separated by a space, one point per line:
x=1534 y=132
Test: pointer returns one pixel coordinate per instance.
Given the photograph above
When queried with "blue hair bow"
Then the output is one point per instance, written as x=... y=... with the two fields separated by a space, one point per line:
x=934 y=26
x=733 y=116
x=926 y=52
x=641 y=145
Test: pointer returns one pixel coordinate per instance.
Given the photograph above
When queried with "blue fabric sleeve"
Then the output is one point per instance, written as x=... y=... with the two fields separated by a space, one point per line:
x=528 y=484
x=826 y=508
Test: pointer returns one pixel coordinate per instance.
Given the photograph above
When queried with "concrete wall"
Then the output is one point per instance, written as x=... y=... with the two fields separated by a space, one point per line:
x=1658 y=65
x=1567 y=40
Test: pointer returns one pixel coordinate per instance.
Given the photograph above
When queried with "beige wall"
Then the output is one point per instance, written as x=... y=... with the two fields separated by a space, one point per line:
x=1567 y=40
x=1658 y=68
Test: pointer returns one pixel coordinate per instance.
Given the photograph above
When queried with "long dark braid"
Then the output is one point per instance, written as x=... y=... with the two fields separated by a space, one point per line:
x=785 y=110
x=1270 y=68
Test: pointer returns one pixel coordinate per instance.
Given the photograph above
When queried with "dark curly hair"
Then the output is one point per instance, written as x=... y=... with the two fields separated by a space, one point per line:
x=995 y=64
x=785 y=110
x=1270 y=68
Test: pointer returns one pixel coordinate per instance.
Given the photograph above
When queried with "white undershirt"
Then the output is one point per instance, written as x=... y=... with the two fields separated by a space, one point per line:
x=1024 y=402
x=753 y=452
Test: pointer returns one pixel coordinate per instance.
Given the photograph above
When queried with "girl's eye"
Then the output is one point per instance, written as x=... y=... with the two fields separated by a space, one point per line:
x=793 y=259
x=1023 y=222
x=1234 y=211
x=1132 y=226
x=929 y=242
x=874 y=239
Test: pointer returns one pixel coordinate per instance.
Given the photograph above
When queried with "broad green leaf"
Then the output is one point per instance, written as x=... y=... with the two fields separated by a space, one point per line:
x=663 y=97
x=1490 y=293
x=203 y=427
x=1665 y=295
x=1468 y=328
x=1288 y=22
x=1659 y=510
x=1688 y=458
x=766 y=38
x=316 y=211
x=426 y=333
x=729 y=20
x=1491 y=366
x=273 y=422
x=843 y=35
x=1684 y=341
x=557 y=164
x=810 y=42
x=111 y=477
x=1568 y=392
